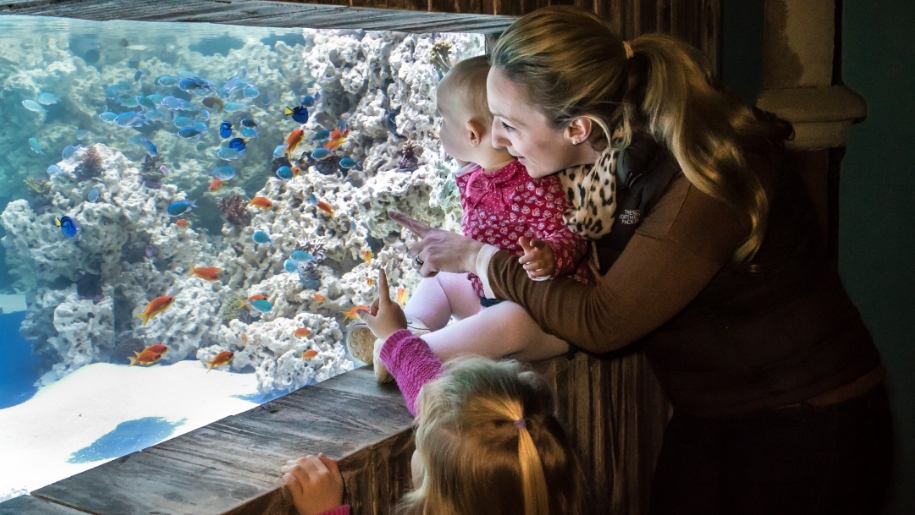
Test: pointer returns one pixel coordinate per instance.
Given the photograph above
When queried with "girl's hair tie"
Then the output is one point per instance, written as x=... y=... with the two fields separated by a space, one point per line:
x=520 y=424
x=628 y=50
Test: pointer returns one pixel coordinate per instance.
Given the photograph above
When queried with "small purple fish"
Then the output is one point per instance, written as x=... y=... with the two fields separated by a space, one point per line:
x=150 y=252
x=163 y=169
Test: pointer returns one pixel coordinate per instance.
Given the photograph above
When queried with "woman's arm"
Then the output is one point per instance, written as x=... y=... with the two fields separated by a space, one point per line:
x=682 y=244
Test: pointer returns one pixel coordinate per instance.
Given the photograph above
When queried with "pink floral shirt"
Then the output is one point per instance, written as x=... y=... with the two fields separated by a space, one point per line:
x=502 y=206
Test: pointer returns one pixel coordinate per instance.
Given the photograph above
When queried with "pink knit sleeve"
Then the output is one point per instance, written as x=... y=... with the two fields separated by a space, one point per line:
x=411 y=362
x=339 y=510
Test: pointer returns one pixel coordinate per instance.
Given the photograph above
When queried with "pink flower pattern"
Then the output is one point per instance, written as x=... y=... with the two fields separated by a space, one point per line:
x=491 y=204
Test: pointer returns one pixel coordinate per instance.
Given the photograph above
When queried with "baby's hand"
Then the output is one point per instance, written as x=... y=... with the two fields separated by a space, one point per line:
x=538 y=258
x=315 y=483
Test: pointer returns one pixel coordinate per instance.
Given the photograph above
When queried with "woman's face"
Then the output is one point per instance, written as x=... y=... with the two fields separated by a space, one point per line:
x=522 y=129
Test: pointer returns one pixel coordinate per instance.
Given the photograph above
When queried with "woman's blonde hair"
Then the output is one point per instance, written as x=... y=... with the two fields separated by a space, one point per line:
x=490 y=444
x=571 y=64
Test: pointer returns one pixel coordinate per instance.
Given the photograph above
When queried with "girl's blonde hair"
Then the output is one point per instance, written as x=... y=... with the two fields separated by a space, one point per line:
x=571 y=64
x=490 y=444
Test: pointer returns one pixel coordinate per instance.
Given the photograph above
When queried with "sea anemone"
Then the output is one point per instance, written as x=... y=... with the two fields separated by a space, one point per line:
x=235 y=208
x=440 y=57
x=231 y=308
x=409 y=162
x=91 y=166
x=40 y=193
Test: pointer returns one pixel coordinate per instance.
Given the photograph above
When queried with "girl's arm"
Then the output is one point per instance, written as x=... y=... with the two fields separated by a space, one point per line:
x=682 y=243
x=411 y=362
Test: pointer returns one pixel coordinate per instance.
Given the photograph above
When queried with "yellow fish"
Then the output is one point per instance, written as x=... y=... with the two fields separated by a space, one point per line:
x=367 y=256
x=347 y=315
x=369 y=281
x=401 y=295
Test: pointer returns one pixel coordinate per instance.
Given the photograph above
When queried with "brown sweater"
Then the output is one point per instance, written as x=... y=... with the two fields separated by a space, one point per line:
x=722 y=340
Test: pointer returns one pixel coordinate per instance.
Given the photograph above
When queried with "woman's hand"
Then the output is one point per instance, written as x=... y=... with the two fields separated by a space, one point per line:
x=438 y=250
x=386 y=317
x=315 y=483
x=538 y=258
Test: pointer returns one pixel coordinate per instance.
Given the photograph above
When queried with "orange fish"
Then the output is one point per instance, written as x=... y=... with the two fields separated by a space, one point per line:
x=244 y=338
x=324 y=206
x=221 y=359
x=401 y=295
x=336 y=138
x=352 y=313
x=319 y=297
x=158 y=305
x=216 y=184
x=302 y=332
x=145 y=358
x=157 y=348
x=367 y=255
x=261 y=202
x=296 y=171
x=257 y=297
x=369 y=281
x=207 y=273
x=293 y=141
x=182 y=223
x=310 y=353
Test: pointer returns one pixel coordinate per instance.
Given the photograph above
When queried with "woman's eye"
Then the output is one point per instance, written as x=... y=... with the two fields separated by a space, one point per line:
x=507 y=127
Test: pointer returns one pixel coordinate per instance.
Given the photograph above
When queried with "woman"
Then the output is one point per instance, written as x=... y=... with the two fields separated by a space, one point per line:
x=714 y=263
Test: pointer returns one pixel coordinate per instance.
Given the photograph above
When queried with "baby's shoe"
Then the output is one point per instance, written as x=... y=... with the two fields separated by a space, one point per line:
x=363 y=345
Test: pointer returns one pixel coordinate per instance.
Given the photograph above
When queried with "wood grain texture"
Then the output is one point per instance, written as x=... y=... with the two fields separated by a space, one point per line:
x=34 y=506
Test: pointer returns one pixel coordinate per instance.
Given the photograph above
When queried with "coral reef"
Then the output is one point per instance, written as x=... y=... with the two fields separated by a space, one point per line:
x=39 y=194
x=91 y=165
x=150 y=174
x=440 y=57
x=235 y=209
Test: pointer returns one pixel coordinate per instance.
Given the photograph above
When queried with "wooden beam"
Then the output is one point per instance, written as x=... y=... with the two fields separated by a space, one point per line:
x=261 y=13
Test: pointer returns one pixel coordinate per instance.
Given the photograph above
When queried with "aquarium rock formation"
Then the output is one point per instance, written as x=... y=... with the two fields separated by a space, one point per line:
x=84 y=293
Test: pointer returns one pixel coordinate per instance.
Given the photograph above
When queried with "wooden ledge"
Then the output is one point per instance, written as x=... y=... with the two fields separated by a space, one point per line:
x=263 y=13
x=821 y=116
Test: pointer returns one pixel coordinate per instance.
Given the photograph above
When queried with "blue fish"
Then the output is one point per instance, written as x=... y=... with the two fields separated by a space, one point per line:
x=48 y=99
x=300 y=256
x=279 y=150
x=67 y=226
x=299 y=114
x=176 y=104
x=309 y=101
x=232 y=107
x=321 y=153
x=181 y=207
x=200 y=126
x=108 y=117
x=183 y=121
x=166 y=80
x=150 y=148
x=251 y=93
x=196 y=85
x=32 y=105
x=190 y=133
x=137 y=77
x=260 y=305
x=313 y=199
x=155 y=115
x=81 y=134
x=54 y=170
x=321 y=135
x=284 y=173
x=68 y=151
x=290 y=266
x=248 y=132
x=347 y=163
x=237 y=143
x=261 y=238
x=34 y=145
x=146 y=102
x=204 y=115
x=224 y=173
x=155 y=98
x=93 y=195
x=342 y=125
x=225 y=129
x=129 y=102
x=248 y=122
x=130 y=119
x=228 y=154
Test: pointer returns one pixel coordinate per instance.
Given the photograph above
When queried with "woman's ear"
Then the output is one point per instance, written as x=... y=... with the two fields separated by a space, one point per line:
x=578 y=130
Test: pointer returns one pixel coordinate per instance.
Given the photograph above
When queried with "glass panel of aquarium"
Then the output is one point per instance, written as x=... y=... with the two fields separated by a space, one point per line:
x=192 y=214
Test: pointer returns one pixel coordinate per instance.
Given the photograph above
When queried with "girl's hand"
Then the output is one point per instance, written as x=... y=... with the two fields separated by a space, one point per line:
x=438 y=250
x=315 y=483
x=386 y=317
x=538 y=258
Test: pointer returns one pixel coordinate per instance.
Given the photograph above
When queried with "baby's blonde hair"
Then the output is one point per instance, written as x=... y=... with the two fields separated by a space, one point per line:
x=571 y=64
x=467 y=82
x=490 y=443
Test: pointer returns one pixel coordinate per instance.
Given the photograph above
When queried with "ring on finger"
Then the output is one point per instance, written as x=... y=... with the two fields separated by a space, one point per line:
x=418 y=262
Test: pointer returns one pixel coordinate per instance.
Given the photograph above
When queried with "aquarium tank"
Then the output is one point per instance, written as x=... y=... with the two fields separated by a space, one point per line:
x=191 y=216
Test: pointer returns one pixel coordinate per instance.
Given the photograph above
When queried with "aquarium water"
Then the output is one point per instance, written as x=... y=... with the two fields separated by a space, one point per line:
x=187 y=214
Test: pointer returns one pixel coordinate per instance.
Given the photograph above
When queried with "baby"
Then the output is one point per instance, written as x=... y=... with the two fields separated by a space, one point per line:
x=503 y=206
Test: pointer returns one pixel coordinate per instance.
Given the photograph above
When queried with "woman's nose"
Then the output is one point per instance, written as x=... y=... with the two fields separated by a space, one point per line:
x=498 y=139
